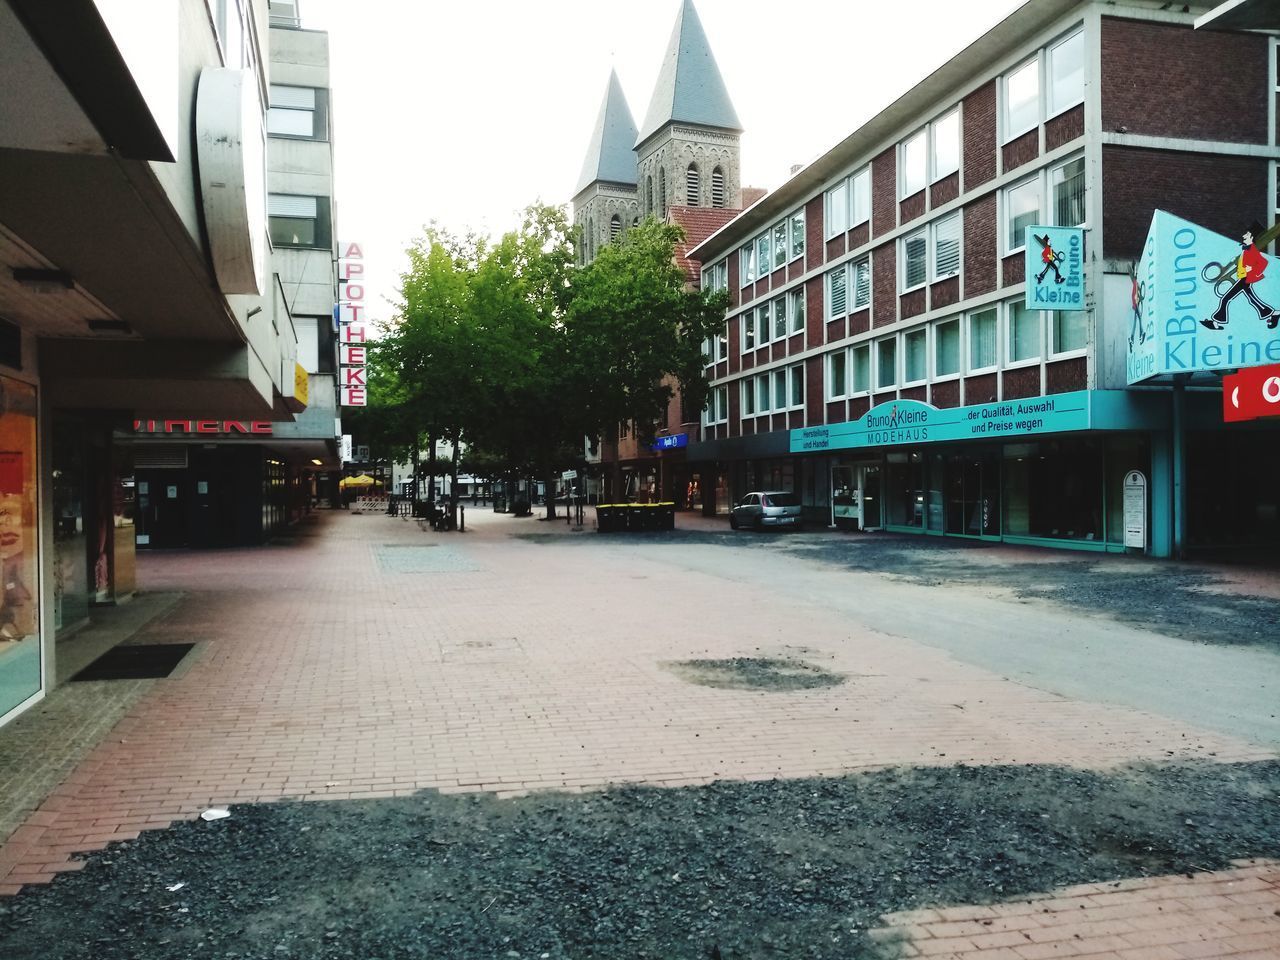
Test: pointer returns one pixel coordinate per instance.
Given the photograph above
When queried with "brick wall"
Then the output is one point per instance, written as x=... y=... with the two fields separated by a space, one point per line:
x=944 y=293
x=813 y=233
x=859 y=322
x=813 y=389
x=858 y=407
x=1013 y=269
x=911 y=207
x=1172 y=81
x=1066 y=375
x=945 y=394
x=1021 y=150
x=732 y=262
x=979 y=119
x=1221 y=193
x=980 y=389
x=980 y=246
x=911 y=304
x=1064 y=128
x=1023 y=382
x=884 y=190
x=945 y=190
x=884 y=285
x=813 y=310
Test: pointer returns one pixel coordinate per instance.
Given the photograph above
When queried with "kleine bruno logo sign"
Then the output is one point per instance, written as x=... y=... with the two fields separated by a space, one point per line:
x=1251 y=393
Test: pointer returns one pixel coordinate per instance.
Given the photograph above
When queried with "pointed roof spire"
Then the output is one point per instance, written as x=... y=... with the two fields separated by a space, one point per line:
x=689 y=86
x=609 y=155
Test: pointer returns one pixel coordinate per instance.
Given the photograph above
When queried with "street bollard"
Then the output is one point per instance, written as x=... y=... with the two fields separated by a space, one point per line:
x=462 y=518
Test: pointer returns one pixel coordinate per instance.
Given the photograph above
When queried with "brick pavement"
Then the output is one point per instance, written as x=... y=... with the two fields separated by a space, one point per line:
x=1230 y=913
x=368 y=658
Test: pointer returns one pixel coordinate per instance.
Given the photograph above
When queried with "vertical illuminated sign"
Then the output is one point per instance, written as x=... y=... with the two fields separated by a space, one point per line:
x=353 y=386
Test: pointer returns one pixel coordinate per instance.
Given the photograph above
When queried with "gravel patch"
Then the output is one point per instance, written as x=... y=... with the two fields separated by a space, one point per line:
x=799 y=868
x=754 y=673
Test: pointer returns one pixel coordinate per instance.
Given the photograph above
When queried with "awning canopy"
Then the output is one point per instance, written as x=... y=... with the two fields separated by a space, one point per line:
x=1241 y=15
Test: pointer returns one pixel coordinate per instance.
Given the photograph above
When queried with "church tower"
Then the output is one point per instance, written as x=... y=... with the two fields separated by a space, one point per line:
x=605 y=202
x=688 y=149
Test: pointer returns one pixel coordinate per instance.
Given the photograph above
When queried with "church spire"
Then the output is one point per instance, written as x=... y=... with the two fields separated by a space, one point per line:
x=609 y=155
x=689 y=88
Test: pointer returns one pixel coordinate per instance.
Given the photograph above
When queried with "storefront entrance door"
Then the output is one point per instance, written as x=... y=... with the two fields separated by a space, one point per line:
x=972 y=495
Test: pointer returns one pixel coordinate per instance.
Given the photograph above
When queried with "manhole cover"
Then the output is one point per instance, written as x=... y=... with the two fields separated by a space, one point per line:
x=755 y=673
x=136 y=662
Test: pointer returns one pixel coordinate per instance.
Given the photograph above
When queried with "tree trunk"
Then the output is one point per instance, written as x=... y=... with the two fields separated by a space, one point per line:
x=551 y=490
x=431 y=472
x=453 y=479
x=417 y=481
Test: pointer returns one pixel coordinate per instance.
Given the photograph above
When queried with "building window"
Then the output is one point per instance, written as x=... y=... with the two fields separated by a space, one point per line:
x=837 y=300
x=837 y=376
x=860 y=186
x=982 y=340
x=1024 y=333
x=915 y=355
x=762 y=393
x=796 y=309
x=691 y=186
x=297 y=221
x=615 y=228
x=862 y=368
x=648 y=195
x=886 y=363
x=780 y=244
x=1066 y=74
x=946 y=348
x=795 y=375
x=717 y=188
x=591 y=239
x=946 y=247
x=861 y=283
x=780 y=389
x=946 y=145
x=762 y=324
x=717 y=406
x=1021 y=210
x=298 y=112
x=1022 y=99
x=837 y=209
x=915 y=260
x=797 y=234
x=746 y=264
x=780 y=318
x=749 y=397
x=748 y=320
x=1067 y=184
x=722 y=344
x=1070 y=330
x=912 y=157
x=662 y=191
x=763 y=258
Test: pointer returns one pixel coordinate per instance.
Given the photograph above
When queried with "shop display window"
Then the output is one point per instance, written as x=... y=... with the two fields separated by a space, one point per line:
x=904 y=489
x=1054 y=489
x=20 y=666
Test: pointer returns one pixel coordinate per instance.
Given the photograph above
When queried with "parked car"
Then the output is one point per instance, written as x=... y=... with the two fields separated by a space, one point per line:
x=767 y=508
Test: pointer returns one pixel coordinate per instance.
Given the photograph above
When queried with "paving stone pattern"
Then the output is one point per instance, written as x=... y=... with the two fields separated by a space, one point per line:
x=367 y=659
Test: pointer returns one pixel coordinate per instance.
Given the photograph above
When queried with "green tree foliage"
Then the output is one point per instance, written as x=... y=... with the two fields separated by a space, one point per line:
x=511 y=349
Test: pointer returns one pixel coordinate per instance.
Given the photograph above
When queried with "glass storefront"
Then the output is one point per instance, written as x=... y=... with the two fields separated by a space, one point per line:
x=1054 y=489
x=904 y=489
x=71 y=591
x=20 y=667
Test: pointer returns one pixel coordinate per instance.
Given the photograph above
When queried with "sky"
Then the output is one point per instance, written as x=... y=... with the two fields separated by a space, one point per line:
x=464 y=113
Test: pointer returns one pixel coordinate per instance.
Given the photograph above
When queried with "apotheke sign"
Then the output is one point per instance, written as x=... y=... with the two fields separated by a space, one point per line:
x=352 y=332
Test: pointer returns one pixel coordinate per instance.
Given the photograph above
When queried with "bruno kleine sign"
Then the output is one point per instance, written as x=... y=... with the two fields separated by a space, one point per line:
x=909 y=421
x=1202 y=301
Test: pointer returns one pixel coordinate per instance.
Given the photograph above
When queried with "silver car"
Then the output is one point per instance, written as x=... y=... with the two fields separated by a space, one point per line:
x=767 y=508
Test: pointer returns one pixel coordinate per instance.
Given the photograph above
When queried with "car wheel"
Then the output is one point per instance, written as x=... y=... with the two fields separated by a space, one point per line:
x=733 y=522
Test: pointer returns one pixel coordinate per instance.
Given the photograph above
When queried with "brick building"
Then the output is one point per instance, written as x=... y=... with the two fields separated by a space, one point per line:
x=889 y=274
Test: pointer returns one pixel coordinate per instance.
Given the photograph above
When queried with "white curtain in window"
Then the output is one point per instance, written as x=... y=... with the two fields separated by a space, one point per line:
x=290 y=205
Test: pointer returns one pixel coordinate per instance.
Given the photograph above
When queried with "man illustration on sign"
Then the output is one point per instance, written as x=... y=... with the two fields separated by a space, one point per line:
x=1250 y=266
x=1050 y=258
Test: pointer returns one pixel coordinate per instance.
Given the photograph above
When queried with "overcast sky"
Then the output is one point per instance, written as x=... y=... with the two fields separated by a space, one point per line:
x=466 y=112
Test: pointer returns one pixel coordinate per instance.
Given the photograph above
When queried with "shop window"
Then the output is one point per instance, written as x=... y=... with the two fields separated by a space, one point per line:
x=915 y=350
x=1053 y=489
x=1070 y=330
x=20 y=669
x=982 y=340
x=946 y=348
x=1024 y=333
x=904 y=489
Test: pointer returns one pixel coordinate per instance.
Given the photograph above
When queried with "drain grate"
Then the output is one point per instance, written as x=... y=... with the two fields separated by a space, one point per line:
x=136 y=662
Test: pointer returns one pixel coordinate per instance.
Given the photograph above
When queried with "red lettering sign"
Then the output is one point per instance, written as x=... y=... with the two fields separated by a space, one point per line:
x=1251 y=393
x=348 y=270
x=206 y=426
x=353 y=377
x=353 y=334
x=353 y=291
x=203 y=426
x=353 y=396
x=354 y=356
x=351 y=313
x=170 y=425
x=351 y=251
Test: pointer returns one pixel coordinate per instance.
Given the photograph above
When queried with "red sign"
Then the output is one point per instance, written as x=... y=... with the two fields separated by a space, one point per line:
x=1251 y=393
x=202 y=426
